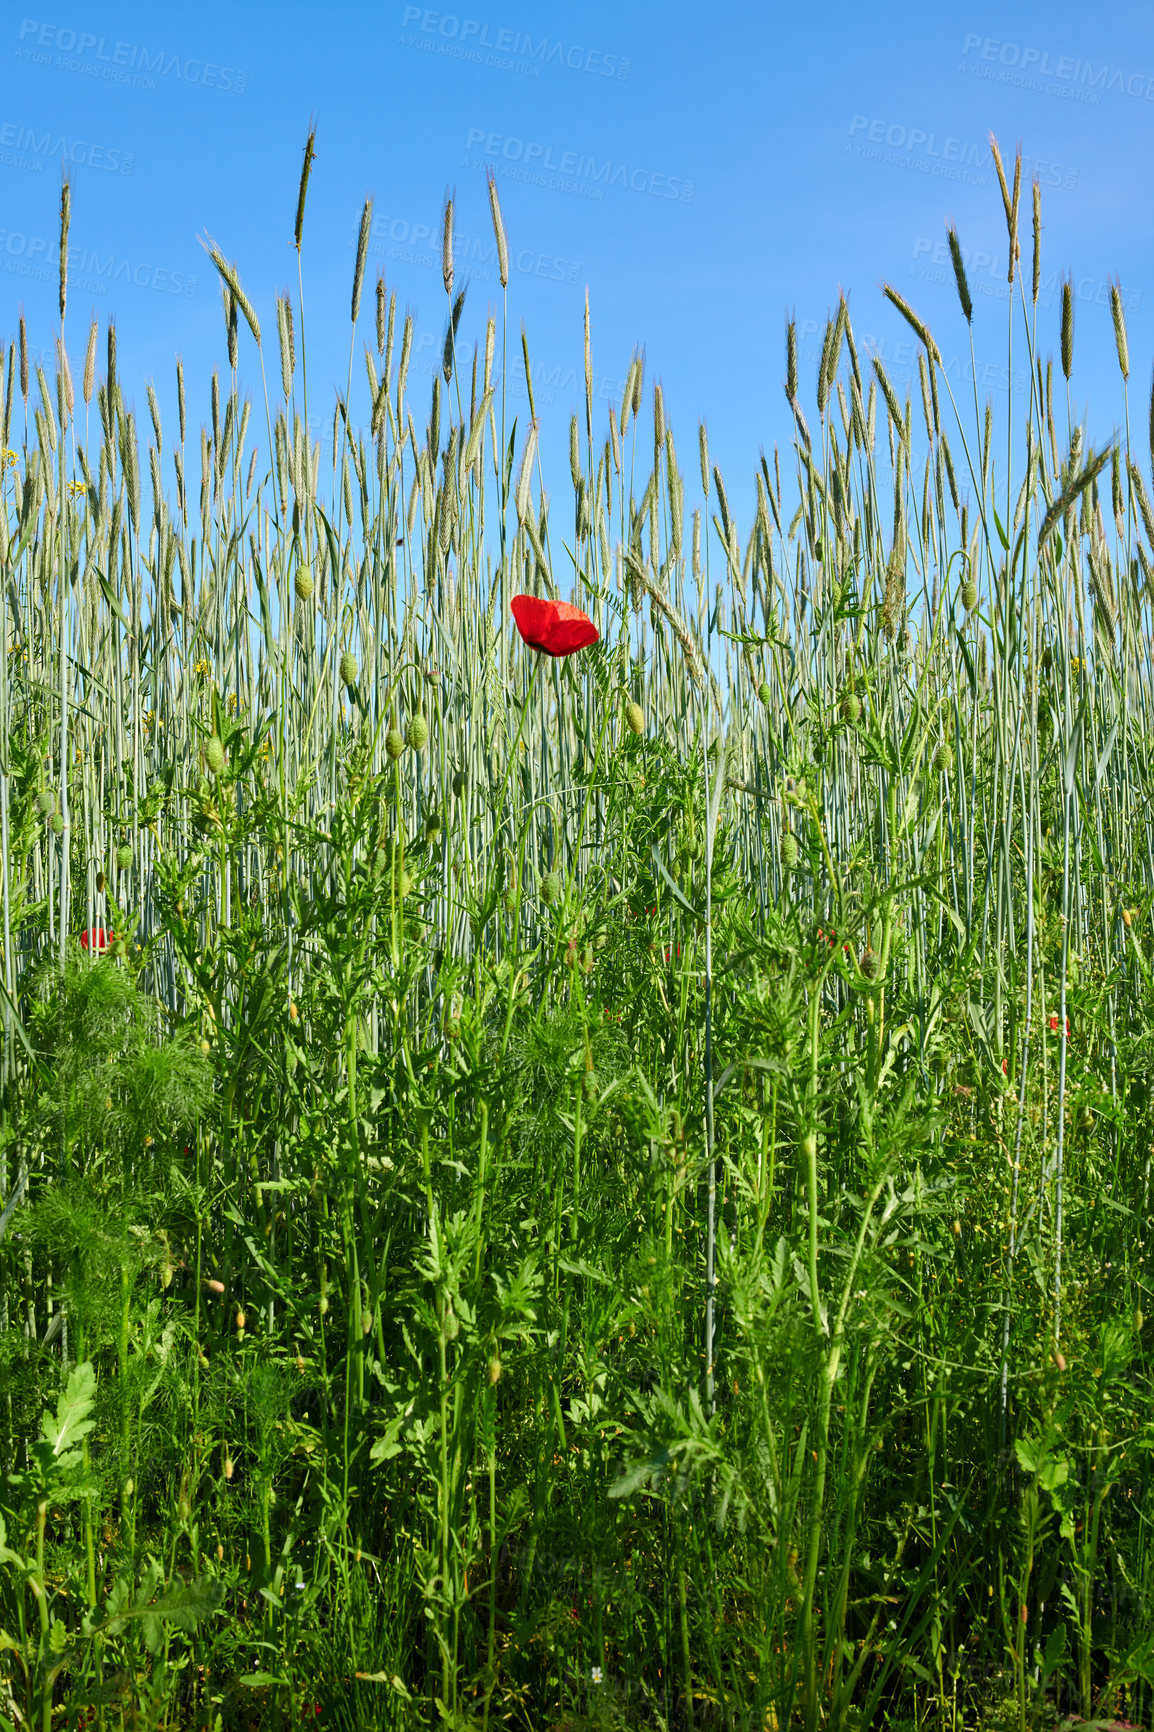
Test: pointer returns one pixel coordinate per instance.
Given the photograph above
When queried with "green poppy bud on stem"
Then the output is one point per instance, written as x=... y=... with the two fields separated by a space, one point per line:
x=789 y=850
x=303 y=583
x=124 y=857
x=394 y=743
x=635 y=717
x=417 y=732
x=214 y=754
x=349 y=668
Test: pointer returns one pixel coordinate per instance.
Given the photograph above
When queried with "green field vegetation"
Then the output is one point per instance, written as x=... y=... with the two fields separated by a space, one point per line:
x=606 y=1191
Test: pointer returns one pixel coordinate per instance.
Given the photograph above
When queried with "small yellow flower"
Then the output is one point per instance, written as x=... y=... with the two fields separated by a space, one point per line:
x=75 y=487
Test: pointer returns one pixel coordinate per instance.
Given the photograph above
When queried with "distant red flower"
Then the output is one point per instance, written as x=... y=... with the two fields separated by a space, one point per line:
x=1053 y=1025
x=556 y=627
x=95 y=938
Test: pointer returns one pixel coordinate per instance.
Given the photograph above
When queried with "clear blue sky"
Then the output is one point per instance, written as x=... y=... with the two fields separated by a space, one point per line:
x=703 y=170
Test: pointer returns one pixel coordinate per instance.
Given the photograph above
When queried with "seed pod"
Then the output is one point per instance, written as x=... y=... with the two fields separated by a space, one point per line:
x=303 y=583
x=764 y=693
x=349 y=669
x=851 y=707
x=789 y=850
x=56 y=824
x=635 y=717
x=214 y=754
x=417 y=732
x=394 y=743
x=870 y=963
x=969 y=595
x=551 y=889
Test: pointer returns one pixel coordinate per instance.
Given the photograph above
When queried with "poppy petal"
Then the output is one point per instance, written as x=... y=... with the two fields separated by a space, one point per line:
x=555 y=627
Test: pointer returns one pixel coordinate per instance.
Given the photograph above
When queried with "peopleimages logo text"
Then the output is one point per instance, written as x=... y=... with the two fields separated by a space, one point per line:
x=33 y=146
x=89 y=270
x=571 y=170
x=518 y=44
x=1037 y=63
x=121 y=62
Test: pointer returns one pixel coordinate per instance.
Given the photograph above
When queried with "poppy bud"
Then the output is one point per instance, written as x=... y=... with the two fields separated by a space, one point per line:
x=56 y=824
x=942 y=757
x=323 y=1307
x=303 y=583
x=417 y=732
x=764 y=693
x=870 y=963
x=46 y=802
x=394 y=743
x=494 y=1369
x=366 y=1322
x=99 y=883
x=124 y=856
x=789 y=850
x=214 y=754
x=228 y=1469
x=404 y=884
x=635 y=717
x=349 y=668
x=458 y=782
x=969 y=595
x=851 y=707
x=551 y=889
x=293 y=1011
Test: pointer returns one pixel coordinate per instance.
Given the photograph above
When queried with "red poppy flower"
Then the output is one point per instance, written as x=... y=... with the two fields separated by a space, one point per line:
x=1053 y=1025
x=95 y=938
x=556 y=627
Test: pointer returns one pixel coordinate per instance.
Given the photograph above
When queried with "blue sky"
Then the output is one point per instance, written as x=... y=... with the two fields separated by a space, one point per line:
x=703 y=171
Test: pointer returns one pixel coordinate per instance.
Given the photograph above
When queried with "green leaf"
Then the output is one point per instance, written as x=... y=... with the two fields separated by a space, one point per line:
x=1002 y=536
x=71 y=1422
x=659 y=867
